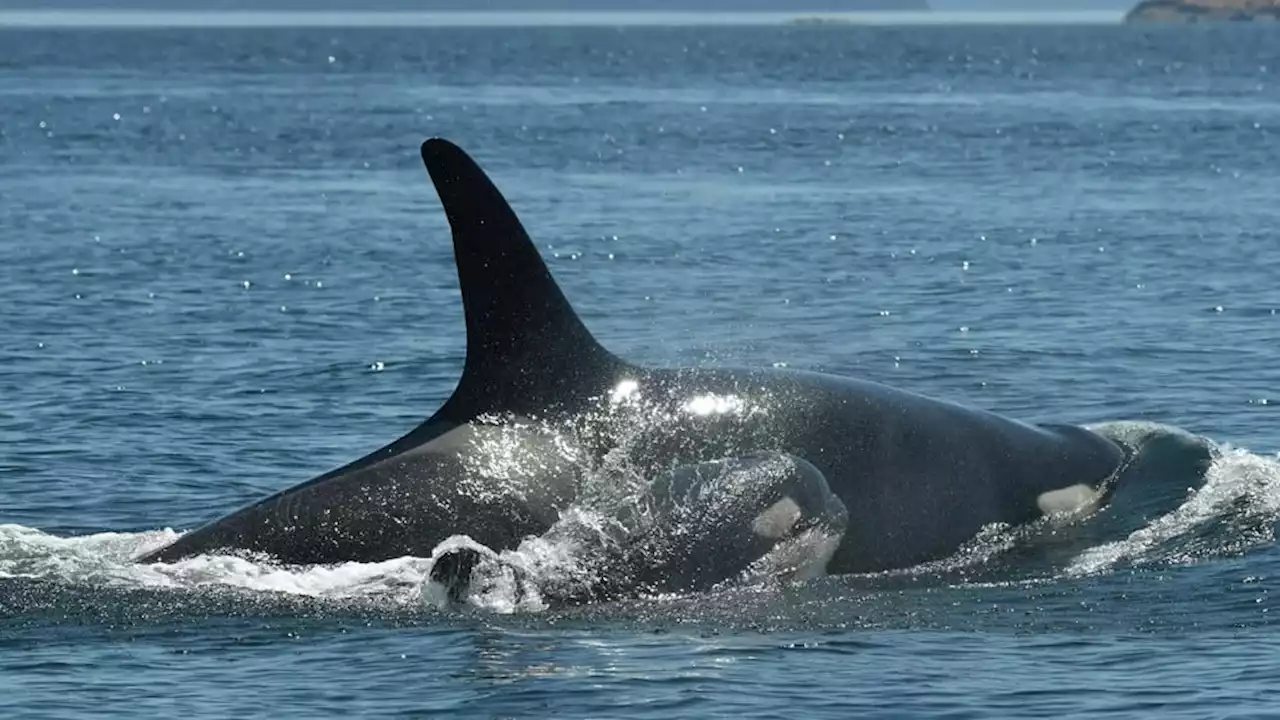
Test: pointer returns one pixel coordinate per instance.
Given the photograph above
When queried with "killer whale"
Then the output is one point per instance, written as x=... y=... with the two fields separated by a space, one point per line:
x=768 y=517
x=542 y=409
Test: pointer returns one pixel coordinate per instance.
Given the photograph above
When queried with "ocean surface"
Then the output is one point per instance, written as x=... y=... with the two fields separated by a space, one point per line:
x=223 y=270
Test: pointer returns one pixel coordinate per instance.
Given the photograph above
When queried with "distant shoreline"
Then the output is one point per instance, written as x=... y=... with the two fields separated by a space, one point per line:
x=125 y=19
x=1200 y=11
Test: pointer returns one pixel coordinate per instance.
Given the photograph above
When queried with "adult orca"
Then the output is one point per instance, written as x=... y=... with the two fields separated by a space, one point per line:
x=542 y=412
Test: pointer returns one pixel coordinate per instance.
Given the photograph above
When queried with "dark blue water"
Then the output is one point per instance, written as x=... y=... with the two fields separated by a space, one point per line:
x=224 y=271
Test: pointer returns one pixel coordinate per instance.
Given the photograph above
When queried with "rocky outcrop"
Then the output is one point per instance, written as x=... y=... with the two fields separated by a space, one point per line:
x=1205 y=11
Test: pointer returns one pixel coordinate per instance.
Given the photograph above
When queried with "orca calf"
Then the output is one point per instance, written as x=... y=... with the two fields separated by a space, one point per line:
x=542 y=411
x=769 y=517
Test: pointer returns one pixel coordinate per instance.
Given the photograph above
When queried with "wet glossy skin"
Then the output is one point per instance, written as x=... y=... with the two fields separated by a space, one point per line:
x=542 y=411
x=917 y=476
x=494 y=483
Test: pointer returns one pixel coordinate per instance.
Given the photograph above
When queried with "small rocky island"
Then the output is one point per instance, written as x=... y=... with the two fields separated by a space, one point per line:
x=1189 y=11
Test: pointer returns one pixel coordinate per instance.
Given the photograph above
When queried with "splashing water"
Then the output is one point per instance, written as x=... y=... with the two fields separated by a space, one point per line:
x=1235 y=511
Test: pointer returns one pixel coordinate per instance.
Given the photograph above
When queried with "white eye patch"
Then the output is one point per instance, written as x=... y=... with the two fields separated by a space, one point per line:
x=777 y=519
x=1068 y=499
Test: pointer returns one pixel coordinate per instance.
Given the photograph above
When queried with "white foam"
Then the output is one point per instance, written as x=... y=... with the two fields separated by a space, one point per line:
x=495 y=584
x=107 y=558
x=1239 y=487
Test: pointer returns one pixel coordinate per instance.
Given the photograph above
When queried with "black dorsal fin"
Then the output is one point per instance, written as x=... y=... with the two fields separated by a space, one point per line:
x=526 y=347
x=527 y=351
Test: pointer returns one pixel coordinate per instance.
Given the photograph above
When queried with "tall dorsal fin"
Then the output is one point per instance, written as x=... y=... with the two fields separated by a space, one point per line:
x=526 y=347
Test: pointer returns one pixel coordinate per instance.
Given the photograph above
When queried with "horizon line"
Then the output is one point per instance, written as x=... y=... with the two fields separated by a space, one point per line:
x=126 y=19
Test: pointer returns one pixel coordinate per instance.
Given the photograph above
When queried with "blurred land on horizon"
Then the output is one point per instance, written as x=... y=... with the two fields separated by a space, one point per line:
x=1205 y=11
